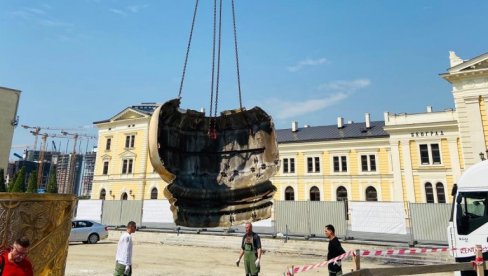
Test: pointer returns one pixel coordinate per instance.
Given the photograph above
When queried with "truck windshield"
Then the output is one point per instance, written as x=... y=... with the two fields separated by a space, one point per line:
x=471 y=211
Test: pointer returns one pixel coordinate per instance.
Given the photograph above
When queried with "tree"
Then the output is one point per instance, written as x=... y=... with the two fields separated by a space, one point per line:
x=19 y=185
x=11 y=182
x=52 y=184
x=32 y=187
x=2 y=181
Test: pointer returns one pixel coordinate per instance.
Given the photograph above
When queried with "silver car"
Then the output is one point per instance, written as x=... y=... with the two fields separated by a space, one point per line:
x=87 y=231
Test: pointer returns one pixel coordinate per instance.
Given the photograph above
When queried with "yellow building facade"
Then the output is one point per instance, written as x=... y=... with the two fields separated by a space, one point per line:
x=406 y=157
x=122 y=169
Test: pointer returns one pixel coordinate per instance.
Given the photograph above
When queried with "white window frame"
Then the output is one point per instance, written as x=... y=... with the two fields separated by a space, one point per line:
x=289 y=165
x=127 y=166
x=434 y=182
x=368 y=161
x=429 y=151
x=295 y=191
x=341 y=169
x=309 y=186
x=314 y=168
x=132 y=141
x=346 y=185
x=364 y=185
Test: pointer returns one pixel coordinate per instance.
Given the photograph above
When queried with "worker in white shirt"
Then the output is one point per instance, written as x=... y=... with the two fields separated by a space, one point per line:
x=123 y=259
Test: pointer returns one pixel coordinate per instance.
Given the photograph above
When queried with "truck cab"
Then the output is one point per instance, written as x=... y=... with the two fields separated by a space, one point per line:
x=468 y=225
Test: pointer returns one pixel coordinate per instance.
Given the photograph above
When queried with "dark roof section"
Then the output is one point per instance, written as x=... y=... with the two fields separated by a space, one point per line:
x=145 y=108
x=331 y=132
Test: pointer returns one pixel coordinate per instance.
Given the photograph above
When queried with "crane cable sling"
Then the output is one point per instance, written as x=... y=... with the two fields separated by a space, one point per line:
x=188 y=49
x=215 y=79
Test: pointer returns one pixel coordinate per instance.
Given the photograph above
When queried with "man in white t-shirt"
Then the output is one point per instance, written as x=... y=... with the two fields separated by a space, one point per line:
x=123 y=258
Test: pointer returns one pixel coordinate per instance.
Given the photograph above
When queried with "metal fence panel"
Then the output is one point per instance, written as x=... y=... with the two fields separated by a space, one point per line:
x=325 y=212
x=111 y=212
x=131 y=210
x=292 y=214
x=309 y=217
x=430 y=221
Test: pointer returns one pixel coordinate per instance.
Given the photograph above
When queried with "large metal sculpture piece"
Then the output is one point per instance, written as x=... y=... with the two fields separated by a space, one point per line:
x=220 y=180
x=217 y=167
x=46 y=220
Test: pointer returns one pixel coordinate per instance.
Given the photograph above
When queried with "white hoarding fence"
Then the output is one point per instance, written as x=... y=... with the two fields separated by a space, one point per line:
x=89 y=210
x=378 y=217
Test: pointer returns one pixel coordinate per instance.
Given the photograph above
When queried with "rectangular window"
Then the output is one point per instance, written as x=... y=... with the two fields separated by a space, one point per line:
x=430 y=154
x=368 y=163
x=372 y=163
x=340 y=163
x=105 y=168
x=436 y=155
x=130 y=141
x=336 y=164
x=364 y=163
x=129 y=169
x=108 y=144
x=313 y=164
x=285 y=165
x=288 y=165
x=344 y=163
x=124 y=166
x=424 y=155
x=127 y=141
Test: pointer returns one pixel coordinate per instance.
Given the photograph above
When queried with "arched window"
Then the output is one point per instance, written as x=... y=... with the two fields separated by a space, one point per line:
x=441 y=195
x=123 y=196
x=314 y=194
x=289 y=193
x=341 y=193
x=102 y=194
x=429 y=193
x=371 y=194
x=154 y=193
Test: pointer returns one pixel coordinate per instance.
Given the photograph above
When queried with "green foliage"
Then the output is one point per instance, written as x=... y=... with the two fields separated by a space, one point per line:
x=2 y=181
x=11 y=182
x=32 y=186
x=19 y=185
x=52 y=184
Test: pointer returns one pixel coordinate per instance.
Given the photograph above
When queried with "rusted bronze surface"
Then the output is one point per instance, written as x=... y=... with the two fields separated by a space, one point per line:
x=215 y=182
x=46 y=220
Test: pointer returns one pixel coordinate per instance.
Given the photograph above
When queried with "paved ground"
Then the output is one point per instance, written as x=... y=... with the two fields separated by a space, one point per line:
x=154 y=258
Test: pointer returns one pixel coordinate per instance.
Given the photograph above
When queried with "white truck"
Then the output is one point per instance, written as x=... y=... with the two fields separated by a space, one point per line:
x=468 y=225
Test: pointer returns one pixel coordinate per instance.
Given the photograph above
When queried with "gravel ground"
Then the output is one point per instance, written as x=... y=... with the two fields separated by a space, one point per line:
x=160 y=259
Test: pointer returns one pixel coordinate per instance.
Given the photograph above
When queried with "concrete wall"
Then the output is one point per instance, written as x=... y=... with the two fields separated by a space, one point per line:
x=9 y=101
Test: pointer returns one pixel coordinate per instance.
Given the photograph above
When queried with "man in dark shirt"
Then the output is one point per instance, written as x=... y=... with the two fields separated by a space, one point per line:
x=335 y=249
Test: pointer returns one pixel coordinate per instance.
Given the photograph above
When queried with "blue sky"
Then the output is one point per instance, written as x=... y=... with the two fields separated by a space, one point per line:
x=82 y=61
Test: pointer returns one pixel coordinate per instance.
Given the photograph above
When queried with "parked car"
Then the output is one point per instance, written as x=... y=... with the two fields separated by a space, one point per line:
x=87 y=231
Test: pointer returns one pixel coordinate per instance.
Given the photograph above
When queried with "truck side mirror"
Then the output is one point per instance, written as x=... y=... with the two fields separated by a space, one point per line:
x=454 y=189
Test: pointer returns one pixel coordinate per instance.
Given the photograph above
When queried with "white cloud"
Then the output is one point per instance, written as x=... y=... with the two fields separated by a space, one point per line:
x=306 y=62
x=285 y=109
x=35 y=11
x=129 y=9
x=136 y=8
x=345 y=85
x=119 y=12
